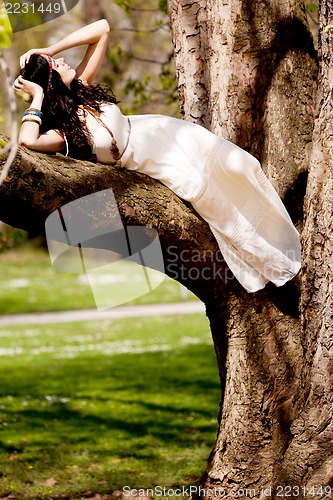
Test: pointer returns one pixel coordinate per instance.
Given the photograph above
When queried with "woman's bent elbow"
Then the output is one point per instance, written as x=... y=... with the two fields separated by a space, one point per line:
x=105 y=25
x=22 y=142
x=25 y=143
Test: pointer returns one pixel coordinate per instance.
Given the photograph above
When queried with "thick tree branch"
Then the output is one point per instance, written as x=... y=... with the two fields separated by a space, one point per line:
x=38 y=184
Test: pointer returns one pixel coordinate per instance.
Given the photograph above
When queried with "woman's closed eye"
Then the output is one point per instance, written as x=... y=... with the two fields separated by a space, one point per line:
x=55 y=63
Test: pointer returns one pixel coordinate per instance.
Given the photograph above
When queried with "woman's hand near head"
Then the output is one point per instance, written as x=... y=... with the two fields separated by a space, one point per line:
x=24 y=59
x=32 y=89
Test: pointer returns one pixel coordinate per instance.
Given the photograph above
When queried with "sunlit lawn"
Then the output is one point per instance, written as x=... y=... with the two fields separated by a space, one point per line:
x=92 y=407
x=28 y=283
x=95 y=406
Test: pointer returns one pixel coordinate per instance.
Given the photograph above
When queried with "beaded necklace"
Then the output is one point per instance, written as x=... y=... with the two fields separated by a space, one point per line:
x=116 y=155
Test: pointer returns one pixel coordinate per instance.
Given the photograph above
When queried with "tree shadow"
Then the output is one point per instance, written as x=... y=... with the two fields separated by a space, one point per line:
x=159 y=395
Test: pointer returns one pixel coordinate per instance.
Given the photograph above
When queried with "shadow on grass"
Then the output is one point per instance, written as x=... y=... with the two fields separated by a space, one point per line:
x=142 y=410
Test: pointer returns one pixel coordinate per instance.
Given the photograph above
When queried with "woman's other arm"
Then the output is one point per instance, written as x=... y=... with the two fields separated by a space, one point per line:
x=29 y=136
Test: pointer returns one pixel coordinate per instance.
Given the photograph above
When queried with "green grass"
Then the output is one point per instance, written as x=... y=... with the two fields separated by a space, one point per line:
x=28 y=283
x=92 y=407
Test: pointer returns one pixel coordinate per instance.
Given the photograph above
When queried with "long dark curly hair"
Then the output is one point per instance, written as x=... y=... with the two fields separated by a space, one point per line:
x=61 y=104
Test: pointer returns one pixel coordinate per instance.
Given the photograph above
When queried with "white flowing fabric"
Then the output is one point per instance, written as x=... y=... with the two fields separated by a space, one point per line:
x=224 y=183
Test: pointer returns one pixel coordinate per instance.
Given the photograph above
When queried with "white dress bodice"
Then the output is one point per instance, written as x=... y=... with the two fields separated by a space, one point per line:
x=118 y=123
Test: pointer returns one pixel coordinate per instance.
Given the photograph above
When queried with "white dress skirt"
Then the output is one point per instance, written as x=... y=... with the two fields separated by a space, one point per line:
x=224 y=183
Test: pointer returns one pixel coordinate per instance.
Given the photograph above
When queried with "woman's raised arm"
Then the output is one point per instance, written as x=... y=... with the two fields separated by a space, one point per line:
x=95 y=35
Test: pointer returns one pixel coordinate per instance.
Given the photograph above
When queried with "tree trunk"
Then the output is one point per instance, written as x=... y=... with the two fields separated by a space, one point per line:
x=313 y=443
x=247 y=71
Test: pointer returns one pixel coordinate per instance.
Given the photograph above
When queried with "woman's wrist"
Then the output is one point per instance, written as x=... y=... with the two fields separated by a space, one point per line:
x=51 y=51
x=37 y=99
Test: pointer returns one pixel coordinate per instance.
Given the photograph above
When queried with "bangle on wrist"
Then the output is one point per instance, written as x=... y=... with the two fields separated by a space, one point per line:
x=32 y=118
x=34 y=112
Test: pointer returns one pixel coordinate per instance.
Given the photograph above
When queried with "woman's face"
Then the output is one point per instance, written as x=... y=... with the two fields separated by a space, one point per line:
x=66 y=73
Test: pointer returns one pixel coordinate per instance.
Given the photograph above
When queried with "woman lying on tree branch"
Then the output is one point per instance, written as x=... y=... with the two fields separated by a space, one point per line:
x=225 y=184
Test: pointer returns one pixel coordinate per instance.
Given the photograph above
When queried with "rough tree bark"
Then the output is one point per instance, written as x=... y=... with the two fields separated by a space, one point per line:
x=248 y=74
x=314 y=444
x=247 y=70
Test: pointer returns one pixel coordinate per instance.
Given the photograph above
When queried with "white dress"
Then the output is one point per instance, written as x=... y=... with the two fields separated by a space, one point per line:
x=224 y=183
